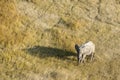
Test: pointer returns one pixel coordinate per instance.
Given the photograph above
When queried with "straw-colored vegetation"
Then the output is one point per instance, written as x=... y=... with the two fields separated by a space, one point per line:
x=37 y=39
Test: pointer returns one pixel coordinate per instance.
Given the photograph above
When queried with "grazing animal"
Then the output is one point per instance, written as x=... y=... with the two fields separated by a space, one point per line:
x=85 y=49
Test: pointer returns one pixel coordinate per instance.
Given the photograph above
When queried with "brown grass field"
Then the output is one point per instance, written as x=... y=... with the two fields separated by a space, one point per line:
x=37 y=39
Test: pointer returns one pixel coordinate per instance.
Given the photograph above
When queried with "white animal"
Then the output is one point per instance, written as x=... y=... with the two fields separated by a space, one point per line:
x=85 y=49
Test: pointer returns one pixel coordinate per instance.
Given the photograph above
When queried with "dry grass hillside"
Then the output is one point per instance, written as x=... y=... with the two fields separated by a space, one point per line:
x=37 y=39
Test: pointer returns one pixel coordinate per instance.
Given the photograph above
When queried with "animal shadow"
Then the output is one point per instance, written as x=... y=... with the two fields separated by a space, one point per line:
x=43 y=52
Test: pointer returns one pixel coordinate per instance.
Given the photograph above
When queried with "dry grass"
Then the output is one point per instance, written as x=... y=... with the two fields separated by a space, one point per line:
x=30 y=52
x=12 y=30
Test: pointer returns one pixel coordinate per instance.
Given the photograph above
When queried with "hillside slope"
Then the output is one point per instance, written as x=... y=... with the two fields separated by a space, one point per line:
x=37 y=39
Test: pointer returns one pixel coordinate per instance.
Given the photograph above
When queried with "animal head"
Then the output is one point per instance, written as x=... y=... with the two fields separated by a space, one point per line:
x=77 y=48
x=78 y=51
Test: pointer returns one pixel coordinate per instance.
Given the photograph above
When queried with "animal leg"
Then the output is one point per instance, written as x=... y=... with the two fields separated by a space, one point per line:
x=79 y=60
x=83 y=58
x=92 y=55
